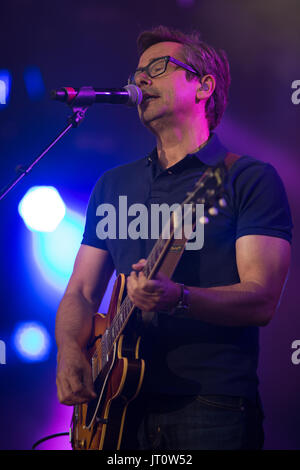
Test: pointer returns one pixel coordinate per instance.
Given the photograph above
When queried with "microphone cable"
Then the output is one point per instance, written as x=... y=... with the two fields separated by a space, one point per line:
x=46 y=438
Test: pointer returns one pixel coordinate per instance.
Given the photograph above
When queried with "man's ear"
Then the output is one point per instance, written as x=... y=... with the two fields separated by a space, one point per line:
x=206 y=87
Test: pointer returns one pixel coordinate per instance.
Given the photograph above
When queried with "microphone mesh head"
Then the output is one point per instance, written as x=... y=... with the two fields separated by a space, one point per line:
x=135 y=95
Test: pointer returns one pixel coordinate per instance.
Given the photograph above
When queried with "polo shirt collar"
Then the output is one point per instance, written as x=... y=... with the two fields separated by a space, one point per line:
x=211 y=154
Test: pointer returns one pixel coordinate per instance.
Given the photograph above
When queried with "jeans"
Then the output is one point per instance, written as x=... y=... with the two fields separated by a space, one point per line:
x=202 y=422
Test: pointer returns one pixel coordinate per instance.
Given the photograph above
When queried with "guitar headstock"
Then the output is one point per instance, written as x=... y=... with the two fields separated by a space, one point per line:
x=209 y=191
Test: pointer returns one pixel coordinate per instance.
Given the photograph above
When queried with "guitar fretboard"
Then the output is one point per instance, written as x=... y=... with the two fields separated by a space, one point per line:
x=151 y=267
x=127 y=307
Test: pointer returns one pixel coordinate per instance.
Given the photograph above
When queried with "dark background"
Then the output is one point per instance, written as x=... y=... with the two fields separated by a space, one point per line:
x=76 y=43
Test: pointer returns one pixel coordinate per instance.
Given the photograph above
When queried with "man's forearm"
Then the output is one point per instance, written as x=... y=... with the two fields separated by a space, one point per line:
x=74 y=320
x=243 y=304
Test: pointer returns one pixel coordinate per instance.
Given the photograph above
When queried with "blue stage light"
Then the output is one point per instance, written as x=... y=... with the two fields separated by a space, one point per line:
x=34 y=82
x=42 y=209
x=32 y=341
x=5 y=84
x=54 y=253
x=56 y=233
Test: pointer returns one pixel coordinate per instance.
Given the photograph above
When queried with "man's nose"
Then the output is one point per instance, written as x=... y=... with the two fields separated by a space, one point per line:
x=143 y=79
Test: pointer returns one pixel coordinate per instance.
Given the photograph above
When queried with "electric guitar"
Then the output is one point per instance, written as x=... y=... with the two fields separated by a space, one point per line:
x=113 y=351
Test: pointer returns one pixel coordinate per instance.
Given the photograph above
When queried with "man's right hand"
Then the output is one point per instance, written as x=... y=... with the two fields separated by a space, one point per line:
x=74 y=376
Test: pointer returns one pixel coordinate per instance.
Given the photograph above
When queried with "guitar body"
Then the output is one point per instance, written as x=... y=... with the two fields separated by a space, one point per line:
x=118 y=376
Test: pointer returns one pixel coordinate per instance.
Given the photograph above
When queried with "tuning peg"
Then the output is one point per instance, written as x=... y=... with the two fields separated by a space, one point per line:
x=213 y=211
x=201 y=200
x=203 y=220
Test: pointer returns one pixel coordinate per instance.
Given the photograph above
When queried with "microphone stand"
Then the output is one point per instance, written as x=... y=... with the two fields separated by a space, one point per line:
x=79 y=105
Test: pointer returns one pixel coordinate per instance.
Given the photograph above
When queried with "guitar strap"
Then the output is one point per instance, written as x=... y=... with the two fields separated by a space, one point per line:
x=177 y=246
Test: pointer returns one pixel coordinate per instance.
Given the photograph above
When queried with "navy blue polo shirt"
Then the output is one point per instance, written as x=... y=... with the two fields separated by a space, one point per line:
x=186 y=356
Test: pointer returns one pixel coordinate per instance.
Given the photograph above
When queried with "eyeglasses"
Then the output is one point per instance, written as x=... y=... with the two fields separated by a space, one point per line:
x=158 y=67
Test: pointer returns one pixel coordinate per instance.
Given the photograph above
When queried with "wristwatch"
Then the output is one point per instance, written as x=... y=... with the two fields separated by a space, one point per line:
x=183 y=305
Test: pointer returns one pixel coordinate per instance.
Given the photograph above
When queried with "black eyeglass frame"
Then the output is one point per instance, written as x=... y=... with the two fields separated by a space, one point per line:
x=167 y=59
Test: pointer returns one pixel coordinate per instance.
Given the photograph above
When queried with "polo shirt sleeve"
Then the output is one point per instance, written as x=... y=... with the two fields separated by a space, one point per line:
x=261 y=203
x=90 y=231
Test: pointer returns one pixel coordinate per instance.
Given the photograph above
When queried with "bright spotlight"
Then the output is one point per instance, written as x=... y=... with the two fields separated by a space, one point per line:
x=42 y=209
x=54 y=253
x=32 y=341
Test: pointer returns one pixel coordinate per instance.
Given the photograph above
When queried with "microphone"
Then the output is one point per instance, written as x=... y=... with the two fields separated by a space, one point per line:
x=131 y=95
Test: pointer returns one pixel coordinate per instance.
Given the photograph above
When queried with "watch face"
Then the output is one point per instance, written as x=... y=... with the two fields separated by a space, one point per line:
x=185 y=299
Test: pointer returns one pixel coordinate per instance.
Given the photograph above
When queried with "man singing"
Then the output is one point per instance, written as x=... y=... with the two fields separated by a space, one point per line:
x=200 y=343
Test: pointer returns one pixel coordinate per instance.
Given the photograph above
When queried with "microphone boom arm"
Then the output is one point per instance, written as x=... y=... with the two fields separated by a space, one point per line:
x=79 y=101
x=73 y=121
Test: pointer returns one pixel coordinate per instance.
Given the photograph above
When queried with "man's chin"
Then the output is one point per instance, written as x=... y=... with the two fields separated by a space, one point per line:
x=149 y=118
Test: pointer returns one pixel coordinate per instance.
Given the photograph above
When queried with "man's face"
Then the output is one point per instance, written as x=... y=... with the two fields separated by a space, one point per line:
x=173 y=96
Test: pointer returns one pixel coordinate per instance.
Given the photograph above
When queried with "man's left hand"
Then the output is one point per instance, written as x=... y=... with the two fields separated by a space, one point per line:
x=159 y=294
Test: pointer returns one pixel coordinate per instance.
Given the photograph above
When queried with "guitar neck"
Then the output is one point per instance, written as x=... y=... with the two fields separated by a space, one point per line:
x=166 y=252
x=127 y=307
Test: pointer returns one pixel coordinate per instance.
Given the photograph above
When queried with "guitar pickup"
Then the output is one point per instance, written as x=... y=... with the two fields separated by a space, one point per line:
x=101 y=420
